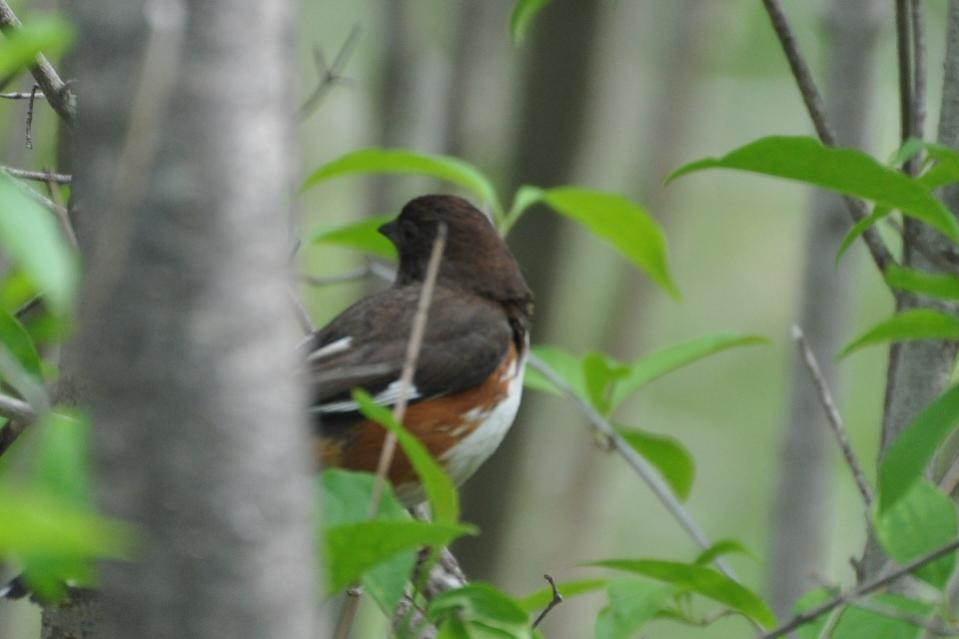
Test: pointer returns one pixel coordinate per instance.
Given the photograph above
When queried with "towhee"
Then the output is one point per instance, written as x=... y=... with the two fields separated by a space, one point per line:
x=469 y=375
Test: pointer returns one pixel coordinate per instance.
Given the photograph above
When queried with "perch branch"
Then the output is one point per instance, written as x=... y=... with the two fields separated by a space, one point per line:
x=553 y=602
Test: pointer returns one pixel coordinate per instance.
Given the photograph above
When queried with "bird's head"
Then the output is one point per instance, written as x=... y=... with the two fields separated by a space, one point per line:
x=475 y=258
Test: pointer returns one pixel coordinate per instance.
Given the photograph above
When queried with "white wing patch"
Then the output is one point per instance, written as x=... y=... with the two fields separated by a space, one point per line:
x=387 y=397
x=333 y=348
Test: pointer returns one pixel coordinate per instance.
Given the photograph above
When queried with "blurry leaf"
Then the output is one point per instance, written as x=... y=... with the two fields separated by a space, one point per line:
x=906 y=152
x=878 y=213
x=721 y=549
x=442 y=495
x=62 y=462
x=361 y=235
x=16 y=290
x=701 y=580
x=20 y=47
x=666 y=454
x=523 y=13
x=807 y=602
x=483 y=605
x=540 y=599
x=33 y=240
x=932 y=284
x=442 y=167
x=35 y=523
x=564 y=364
x=525 y=197
x=624 y=224
x=921 y=323
x=655 y=365
x=599 y=373
x=453 y=628
x=346 y=499
x=632 y=603
x=923 y=520
x=859 y=622
x=846 y=171
x=909 y=454
x=14 y=337
x=352 y=549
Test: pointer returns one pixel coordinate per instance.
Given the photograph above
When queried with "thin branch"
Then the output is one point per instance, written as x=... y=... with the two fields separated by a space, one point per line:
x=36 y=196
x=38 y=176
x=341 y=278
x=58 y=94
x=817 y=112
x=417 y=332
x=555 y=601
x=918 y=68
x=635 y=461
x=29 y=123
x=22 y=95
x=17 y=410
x=929 y=625
x=861 y=591
x=300 y=312
x=63 y=213
x=329 y=77
x=904 y=58
x=835 y=419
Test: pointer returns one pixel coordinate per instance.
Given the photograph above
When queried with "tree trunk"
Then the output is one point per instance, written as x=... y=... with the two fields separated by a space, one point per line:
x=801 y=518
x=549 y=135
x=919 y=371
x=186 y=350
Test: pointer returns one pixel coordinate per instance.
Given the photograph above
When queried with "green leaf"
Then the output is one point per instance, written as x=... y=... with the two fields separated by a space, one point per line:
x=480 y=603
x=625 y=225
x=525 y=197
x=62 y=462
x=35 y=523
x=599 y=373
x=453 y=628
x=923 y=520
x=442 y=167
x=858 y=622
x=846 y=171
x=523 y=13
x=910 y=453
x=809 y=601
x=878 y=213
x=540 y=599
x=632 y=603
x=721 y=549
x=440 y=491
x=655 y=365
x=345 y=498
x=361 y=235
x=352 y=549
x=702 y=580
x=33 y=240
x=20 y=47
x=931 y=284
x=18 y=342
x=670 y=458
x=564 y=364
x=921 y=323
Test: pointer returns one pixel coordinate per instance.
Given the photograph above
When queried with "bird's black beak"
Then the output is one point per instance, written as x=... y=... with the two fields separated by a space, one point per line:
x=389 y=230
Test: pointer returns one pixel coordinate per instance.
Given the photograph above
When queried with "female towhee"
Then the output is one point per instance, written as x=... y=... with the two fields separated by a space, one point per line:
x=469 y=375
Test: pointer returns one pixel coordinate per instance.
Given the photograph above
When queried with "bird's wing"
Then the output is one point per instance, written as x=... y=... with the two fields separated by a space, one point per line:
x=465 y=340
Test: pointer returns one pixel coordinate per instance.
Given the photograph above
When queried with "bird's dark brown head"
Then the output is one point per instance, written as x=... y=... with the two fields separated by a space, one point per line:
x=475 y=258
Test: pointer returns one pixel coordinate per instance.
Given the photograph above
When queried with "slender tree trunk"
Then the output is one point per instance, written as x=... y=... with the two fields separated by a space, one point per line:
x=549 y=135
x=919 y=371
x=186 y=357
x=801 y=518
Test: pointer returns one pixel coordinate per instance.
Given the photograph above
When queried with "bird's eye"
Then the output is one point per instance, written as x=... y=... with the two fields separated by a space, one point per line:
x=409 y=231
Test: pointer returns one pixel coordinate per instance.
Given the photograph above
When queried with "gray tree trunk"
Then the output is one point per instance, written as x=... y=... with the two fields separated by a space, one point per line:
x=186 y=350
x=919 y=371
x=801 y=517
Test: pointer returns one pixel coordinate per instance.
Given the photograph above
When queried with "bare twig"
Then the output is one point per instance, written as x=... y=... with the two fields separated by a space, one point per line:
x=835 y=419
x=329 y=76
x=918 y=68
x=58 y=94
x=39 y=176
x=861 y=590
x=635 y=461
x=817 y=112
x=16 y=409
x=22 y=95
x=904 y=58
x=302 y=315
x=555 y=601
x=29 y=123
x=36 y=196
x=417 y=332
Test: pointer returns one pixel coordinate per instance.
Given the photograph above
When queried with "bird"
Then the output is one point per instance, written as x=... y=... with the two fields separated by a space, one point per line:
x=468 y=378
